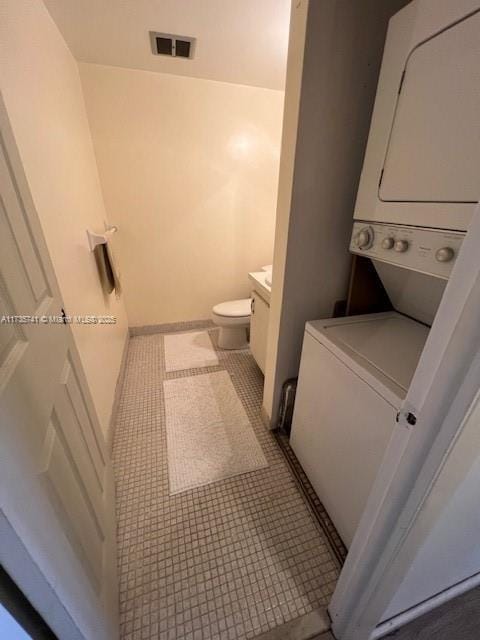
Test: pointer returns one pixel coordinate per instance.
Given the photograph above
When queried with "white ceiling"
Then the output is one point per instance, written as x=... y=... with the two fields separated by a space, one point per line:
x=241 y=41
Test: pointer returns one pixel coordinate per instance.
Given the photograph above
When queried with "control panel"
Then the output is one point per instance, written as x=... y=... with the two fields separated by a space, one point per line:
x=431 y=251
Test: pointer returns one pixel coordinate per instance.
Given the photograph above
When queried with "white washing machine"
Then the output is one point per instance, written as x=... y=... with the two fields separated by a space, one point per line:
x=353 y=378
x=355 y=371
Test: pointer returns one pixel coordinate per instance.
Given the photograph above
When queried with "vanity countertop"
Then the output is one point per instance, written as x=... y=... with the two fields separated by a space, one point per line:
x=257 y=278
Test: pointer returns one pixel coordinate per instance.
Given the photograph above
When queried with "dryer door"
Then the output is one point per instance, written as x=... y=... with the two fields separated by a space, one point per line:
x=433 y=153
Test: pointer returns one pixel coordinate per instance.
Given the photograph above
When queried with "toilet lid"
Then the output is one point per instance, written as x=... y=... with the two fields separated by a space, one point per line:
x=233 y=308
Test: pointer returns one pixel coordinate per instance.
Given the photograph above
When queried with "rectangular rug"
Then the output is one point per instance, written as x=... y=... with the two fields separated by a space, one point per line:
x=209 y=435
x=189 y=351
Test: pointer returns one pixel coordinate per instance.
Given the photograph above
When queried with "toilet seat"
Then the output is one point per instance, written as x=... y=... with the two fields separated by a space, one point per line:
x=239 y=309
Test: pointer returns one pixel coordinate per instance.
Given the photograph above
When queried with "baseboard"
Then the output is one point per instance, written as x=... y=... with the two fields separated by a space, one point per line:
x=170 y=327
x=265 y=418
x=117 y=394
x=316 y=507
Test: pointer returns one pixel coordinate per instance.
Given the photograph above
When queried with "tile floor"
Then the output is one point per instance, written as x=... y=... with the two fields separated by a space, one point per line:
x=226 y=561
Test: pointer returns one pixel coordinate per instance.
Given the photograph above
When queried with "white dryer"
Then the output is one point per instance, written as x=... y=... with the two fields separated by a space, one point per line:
x=353 y=378
x=422 y=162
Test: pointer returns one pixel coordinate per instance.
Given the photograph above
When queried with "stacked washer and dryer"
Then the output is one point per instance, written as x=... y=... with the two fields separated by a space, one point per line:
x=419 y=186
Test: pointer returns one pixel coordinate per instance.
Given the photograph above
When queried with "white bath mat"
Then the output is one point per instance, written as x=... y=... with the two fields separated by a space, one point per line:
x=189 y=351
x=209 y=436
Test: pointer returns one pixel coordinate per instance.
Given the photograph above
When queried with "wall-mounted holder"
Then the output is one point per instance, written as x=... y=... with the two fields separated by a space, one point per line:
x=100 y=238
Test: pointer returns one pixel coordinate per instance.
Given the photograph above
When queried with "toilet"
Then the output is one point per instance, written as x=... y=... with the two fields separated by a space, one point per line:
x=233 y=318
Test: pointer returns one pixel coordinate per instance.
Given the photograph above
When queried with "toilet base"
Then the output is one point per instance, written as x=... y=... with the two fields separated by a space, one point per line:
x=233 y=338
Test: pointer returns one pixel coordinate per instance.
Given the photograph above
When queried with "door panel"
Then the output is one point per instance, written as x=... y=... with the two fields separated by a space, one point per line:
x=79 y=412
x=26 y=264
x=71 y=431
x=12 y=338
x=56 y=479
x=72 y=503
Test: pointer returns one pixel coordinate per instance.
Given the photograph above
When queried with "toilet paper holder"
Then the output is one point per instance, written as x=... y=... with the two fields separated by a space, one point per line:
x=95 y=239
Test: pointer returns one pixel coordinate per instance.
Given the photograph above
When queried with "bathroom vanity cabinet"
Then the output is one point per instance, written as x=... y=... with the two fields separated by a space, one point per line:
x=259 y=329
x=259 y=318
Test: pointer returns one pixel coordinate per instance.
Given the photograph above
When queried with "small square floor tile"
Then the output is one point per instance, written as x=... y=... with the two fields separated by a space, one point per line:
x=232 y=559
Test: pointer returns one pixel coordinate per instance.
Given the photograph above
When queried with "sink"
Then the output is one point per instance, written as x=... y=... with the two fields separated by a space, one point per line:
x=261 y=283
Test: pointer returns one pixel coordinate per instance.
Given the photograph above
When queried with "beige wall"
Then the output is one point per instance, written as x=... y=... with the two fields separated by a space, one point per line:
x=333 y=64
x=189 y=172
x=293 y=89
x=43 y=96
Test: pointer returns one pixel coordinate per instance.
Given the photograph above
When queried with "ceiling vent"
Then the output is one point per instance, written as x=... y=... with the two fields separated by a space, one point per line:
x=167 y=44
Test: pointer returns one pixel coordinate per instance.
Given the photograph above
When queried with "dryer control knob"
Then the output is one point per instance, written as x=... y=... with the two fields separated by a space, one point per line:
x=445 y=254
x=387 y=243
x=364 y=239
x=400 y=246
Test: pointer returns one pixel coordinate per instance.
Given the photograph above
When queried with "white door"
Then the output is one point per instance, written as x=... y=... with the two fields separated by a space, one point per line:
x=56 y=480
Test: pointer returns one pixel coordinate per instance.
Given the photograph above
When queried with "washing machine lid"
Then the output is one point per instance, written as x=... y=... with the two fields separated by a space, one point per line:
x=383 y=348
